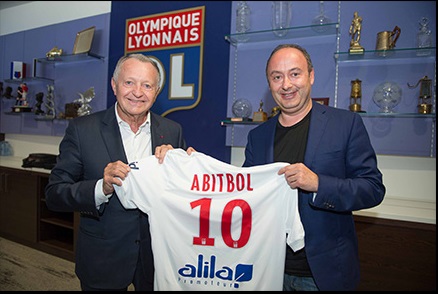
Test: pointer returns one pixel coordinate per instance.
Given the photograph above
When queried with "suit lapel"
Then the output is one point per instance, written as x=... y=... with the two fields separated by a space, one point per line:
x=111 y=136
x=157 y=136
x=269 y=143
x=318 y=123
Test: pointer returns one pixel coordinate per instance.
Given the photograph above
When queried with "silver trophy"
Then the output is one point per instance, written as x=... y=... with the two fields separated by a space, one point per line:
x=50 y=102
x=84 y=101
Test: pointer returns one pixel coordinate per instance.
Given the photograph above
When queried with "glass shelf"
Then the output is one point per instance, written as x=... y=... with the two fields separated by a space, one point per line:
x=19 y=81
x=245 y=122
x=18 y=113
x=293 y=32
x=44 y=118
x=36 y=116
x=71 y=58
x=226 y=122
x=387 y=54
x=411 y=115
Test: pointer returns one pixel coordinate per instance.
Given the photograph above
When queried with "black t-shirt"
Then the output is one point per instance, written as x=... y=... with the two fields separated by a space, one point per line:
x=290 y=146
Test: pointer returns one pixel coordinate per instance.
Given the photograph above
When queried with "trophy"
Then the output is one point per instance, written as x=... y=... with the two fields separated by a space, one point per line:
x=274 y=111
x=386 y=40
x=21 y=103
x=260 y=115
x=424 y=37
x=54 y=52
x=356 y=96
x=84 y=101
x=424 y=99
x=354 y=31
x=387 y=95
x=39 y=101
x=50 y=113
x=50 y=102
x=242 y=110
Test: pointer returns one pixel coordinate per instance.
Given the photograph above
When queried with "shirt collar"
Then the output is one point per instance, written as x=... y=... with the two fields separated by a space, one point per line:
x=122 y=122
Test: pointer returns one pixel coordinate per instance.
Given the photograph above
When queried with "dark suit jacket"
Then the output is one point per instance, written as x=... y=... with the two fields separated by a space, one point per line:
x=340 y=153
x=108 y=240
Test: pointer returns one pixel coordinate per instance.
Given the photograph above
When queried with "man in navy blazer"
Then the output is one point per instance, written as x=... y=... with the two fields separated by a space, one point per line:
x=113 y=246
x=333 y=166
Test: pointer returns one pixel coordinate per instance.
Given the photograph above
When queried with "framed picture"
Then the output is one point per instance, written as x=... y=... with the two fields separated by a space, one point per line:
x=83 y=41
x=323 y=101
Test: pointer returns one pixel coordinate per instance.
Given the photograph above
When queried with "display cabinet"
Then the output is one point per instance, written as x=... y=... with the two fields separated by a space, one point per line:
x=405 y=130
x=56 y=71
x=24 y=216
x=18 y=204
x=57 y=230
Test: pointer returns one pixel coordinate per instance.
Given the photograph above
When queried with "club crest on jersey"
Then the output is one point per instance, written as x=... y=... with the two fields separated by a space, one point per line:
x=133 y=165
x=175 y=40
x=206 y=273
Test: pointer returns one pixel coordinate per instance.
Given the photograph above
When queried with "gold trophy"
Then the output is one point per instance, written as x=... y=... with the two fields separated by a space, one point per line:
x=356 y=96
x=424 y=99
x=260 y=115
x=354 y=31
x=386 y=40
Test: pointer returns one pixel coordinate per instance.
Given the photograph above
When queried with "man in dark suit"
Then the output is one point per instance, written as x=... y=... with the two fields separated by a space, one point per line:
x=113 y=246
x=332 y=164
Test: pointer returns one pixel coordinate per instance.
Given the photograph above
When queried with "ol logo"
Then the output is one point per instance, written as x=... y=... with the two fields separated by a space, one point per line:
x=175 y=40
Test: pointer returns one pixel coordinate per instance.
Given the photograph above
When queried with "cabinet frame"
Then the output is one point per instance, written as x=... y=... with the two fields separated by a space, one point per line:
x=399 y=123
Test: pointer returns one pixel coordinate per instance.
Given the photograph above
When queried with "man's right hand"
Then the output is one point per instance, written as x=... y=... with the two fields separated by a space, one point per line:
x=114 y=173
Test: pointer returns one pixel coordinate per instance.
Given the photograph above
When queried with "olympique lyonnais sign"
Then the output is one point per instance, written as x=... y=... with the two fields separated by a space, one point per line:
x=175 y=40
x=175 y=29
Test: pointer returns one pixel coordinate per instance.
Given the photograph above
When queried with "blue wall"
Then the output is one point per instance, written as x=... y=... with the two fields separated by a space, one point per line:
x=395 y=136
x=69 y=78
x=201 y=124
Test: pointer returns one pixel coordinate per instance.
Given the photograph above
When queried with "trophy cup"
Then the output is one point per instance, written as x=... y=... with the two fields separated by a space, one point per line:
x=354 y=31
x=260 y=115
x=386 y=40
x=356 y=96
x=424 y=99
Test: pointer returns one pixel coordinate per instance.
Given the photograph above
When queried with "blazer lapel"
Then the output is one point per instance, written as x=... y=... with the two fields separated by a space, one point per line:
x=156 y=135
x=111 y=136
x=317 y=125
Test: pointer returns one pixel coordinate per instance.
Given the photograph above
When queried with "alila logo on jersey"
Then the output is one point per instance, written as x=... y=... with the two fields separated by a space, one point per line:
x=175 y=40
x=206 y=273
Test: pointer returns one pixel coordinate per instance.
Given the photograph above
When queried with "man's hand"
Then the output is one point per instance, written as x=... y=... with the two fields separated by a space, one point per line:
x=160 y=151
x=300 y=176
x=114 y=173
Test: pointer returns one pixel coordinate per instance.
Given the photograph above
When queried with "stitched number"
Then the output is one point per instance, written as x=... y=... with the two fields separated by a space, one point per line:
x=227 y=216
x=245 y=231
x=204 y=222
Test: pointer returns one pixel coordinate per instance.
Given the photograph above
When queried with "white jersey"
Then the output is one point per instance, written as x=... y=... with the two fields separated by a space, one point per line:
x=214 y=226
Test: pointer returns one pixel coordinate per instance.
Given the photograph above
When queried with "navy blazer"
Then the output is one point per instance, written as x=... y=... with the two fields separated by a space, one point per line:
x=108 y=240
x=339 y=151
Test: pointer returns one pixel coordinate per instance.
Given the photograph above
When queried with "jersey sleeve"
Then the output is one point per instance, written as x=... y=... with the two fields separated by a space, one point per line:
x=141 y=184
x=123 y=193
